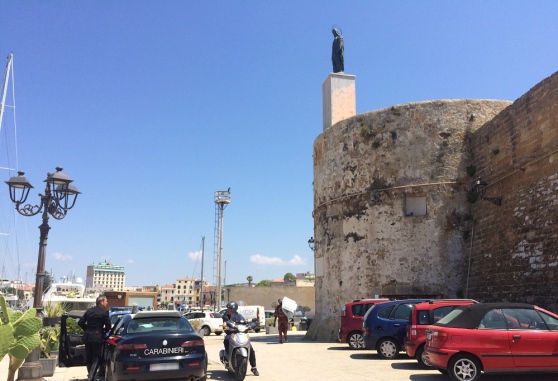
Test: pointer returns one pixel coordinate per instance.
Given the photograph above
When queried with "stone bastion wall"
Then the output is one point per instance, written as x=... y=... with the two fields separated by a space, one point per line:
x=515 y=246
x=391 y=216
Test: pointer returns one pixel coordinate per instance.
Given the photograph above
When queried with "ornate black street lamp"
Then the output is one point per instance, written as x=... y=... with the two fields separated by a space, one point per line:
x=479 y=189
x=59 y=197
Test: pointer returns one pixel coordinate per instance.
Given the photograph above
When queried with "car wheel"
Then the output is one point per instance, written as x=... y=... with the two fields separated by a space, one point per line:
x=356 y=340
x=206 y=331
x=421 y=358
x=218 y=333
x=388 y=349
x=257 y=330
x=464 y=368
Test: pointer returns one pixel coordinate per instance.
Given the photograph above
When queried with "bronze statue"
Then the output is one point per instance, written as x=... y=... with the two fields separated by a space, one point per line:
x=337 y=52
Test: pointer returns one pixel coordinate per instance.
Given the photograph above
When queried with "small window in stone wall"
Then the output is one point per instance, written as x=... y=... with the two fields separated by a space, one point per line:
x=415 y=206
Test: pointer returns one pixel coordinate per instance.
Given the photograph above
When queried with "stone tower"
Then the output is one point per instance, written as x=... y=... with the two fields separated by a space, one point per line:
x=391 y=217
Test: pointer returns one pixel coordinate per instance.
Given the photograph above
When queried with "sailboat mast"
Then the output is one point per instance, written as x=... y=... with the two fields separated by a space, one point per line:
x=201 y=297
x=5 y=87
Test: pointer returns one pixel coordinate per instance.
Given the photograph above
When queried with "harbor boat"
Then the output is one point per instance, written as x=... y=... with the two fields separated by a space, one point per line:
x=72 y=295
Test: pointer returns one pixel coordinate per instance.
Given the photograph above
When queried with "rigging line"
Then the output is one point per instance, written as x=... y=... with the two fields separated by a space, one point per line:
x=196 y=265
x=14 y=110
x=201 y=267
x=11 y=71
x=4 y=87
x=5 y=84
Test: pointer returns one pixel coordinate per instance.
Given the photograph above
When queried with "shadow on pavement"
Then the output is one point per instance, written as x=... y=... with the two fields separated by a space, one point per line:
x=343 y=348
x=428 y=377
x=364 y=356
x=488 y=377
x=408 y=365
x=275 y=340
x=220 y=374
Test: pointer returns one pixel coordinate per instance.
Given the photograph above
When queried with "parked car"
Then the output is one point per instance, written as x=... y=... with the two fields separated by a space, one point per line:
x=352 y=314
x=493 y=338
x=154 y=345
x=423 y=315
x=384 y=326
x=211 y=322
x=115 y=316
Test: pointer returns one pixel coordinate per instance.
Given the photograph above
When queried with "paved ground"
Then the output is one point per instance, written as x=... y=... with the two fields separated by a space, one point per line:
x=307 y=360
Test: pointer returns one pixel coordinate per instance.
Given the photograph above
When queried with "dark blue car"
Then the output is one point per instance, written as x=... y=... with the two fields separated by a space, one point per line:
x=385 y=324
x=155 y=345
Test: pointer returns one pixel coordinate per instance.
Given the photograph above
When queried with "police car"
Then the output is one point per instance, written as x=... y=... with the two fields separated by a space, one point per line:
x=155 y=345
x=150 y=345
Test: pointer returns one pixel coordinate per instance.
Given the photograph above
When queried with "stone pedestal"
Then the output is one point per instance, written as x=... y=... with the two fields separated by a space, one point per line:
x=339 y=98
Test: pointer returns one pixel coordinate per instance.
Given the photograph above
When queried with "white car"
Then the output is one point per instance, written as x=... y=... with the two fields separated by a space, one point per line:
x=211 y=322
x=251 y=312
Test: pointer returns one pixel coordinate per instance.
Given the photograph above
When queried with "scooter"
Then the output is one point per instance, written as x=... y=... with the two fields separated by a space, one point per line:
x=236 y=361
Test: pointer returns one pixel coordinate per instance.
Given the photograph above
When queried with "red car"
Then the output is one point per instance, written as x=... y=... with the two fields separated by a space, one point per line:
x=493 y=338
x=351 y=321
x=422 y=315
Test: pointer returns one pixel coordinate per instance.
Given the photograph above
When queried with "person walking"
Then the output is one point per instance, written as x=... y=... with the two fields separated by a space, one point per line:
x=95 y=324
x=283 y=322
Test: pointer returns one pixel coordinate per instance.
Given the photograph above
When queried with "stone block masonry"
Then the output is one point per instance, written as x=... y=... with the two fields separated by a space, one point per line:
x=394 y=216
x=515 y=246
x=390 y=209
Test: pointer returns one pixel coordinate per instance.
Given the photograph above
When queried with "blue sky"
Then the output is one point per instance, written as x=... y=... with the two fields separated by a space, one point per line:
x=151 y=107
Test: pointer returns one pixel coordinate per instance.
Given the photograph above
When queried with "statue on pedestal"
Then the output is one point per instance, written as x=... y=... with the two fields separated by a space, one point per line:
x=337 y=51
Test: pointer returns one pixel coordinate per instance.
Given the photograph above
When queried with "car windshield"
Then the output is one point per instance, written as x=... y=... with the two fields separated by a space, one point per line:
x=403 y=312
x=449 y=317
x=159 y=324
x=360 y=309
x=551 y=321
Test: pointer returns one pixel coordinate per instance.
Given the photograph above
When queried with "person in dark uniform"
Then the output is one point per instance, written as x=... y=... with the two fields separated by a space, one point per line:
x=95 y=324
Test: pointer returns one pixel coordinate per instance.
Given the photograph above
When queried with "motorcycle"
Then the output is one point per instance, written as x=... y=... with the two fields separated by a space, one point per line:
x=236 y=360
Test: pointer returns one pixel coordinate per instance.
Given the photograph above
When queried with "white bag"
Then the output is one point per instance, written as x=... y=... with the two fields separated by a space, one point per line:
x=289 y=307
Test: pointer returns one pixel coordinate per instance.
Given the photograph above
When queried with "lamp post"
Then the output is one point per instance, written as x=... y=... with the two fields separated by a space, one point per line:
x=479 y=188
x=222 y=199
x=311 y=243
x=59 y=197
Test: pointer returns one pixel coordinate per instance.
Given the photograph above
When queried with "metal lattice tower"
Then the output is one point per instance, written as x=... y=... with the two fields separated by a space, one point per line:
x=222 y=199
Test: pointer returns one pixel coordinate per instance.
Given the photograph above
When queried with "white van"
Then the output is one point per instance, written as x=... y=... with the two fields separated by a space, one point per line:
x=254 y=312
